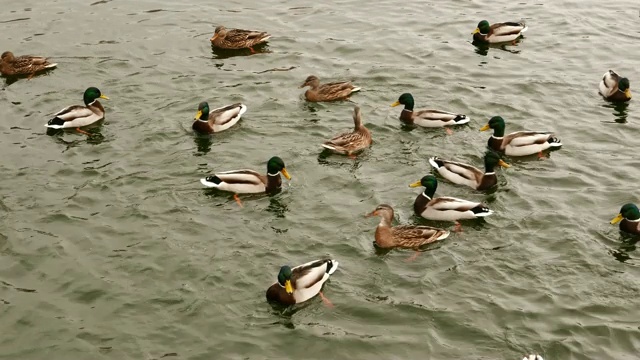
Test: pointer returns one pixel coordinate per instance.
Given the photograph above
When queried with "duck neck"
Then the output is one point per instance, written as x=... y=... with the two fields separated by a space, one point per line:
x=384 y=237
x=498 y=132
x=489 y=168
x=274 y=182
x=97 y=105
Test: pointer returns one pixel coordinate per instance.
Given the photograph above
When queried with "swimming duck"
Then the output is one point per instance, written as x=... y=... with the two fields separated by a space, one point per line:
x=614 y=88
x=498 y=33
x=427 y=118
x=351 y=142
x=403 y=236
x=519 y=143
x=445 y=208
x=76 y=116
x=464 y=174
x=630 y=217
x=237 y=38
x=11 y=65
x=249 y=181
x=216 y=120
x=301 y=283
x=329 y=91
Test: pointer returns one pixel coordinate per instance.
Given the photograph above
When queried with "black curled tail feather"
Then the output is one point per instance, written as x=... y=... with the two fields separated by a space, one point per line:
x=213 y=179
x=56 y=121
x=460 y=118
x=553 y=140
x=438 y=161
x=480 y=209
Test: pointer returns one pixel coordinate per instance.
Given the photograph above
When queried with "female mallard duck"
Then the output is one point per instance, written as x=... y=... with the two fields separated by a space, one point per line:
x=630 y=217
x=464 y=174
x=216 y=120
x=445 y=208
x=498 y=33
x=76 y=116
x=351 y=142
x=249 y=181
x=301 y=283
x=427 y=118
x=519 y=143
x=403 y=236
x=237 y=38
x=327 y=92
x=614 y=88
x=23 y=65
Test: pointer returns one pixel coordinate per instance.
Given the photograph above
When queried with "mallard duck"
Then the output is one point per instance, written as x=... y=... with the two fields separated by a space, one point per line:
x=403 y=236
x=76 y=116
x=464 y=174
x=327 y=92
x=498 y=33
x=427 y=118
x=301 y=283
x=349 y=143
x=519 y=143
x=445 y=208
x=23 y=65
x=614 y=88
x=237 y=38
x=216 y=120
x=249 y=181
x=630 y=217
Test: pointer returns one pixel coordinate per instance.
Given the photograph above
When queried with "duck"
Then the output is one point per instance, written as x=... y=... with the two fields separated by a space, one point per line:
x=301 y=283
x=11 y=65
x=499 y=32
x=248 y=181
x=349 y=143
x=238 y=38
x=427 y=118
x=445 y=208
x=403 y=236
x=77 y=116
x=614 y=88
x=519 y=143
x=629 y=219
x=327 y=92
x=217 y=120
x=468 y=175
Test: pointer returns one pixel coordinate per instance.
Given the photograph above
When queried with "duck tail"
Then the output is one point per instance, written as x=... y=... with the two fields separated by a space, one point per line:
x=55 y=123
x=554 y=141
x=482 y=211
x=211 y=181
x=332 y=266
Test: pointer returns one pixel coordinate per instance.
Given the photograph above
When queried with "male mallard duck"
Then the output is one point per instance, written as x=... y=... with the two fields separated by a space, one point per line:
x=23 y=65
x=301 y=283
x=445 y=208
x=614 y=88
x=427 y=118
x=403 y=236
x=351 y=142
x=249 y=181
x=327 y=92
x=76 y=116
x=216 y=120
x=237 y=38
x=519 y=143
x=464 y=174
x=630 y=217
x=498 y=33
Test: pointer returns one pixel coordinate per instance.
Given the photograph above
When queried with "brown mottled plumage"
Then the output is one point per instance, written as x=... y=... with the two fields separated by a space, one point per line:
x=403 y=236
x=351 y=142
x=11 y=65
x=327 y=92
x=237 y=38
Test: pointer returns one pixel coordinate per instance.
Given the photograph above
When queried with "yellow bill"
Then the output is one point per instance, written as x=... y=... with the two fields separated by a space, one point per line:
x=104 y=97
x=485 y=128
x=416 y=184
x=287 y=287
x=477 y=30
x=285 y=173
x=617 y=219
x=503 y=164
x=395 y=104
x=628 y=93
x=198 y=114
